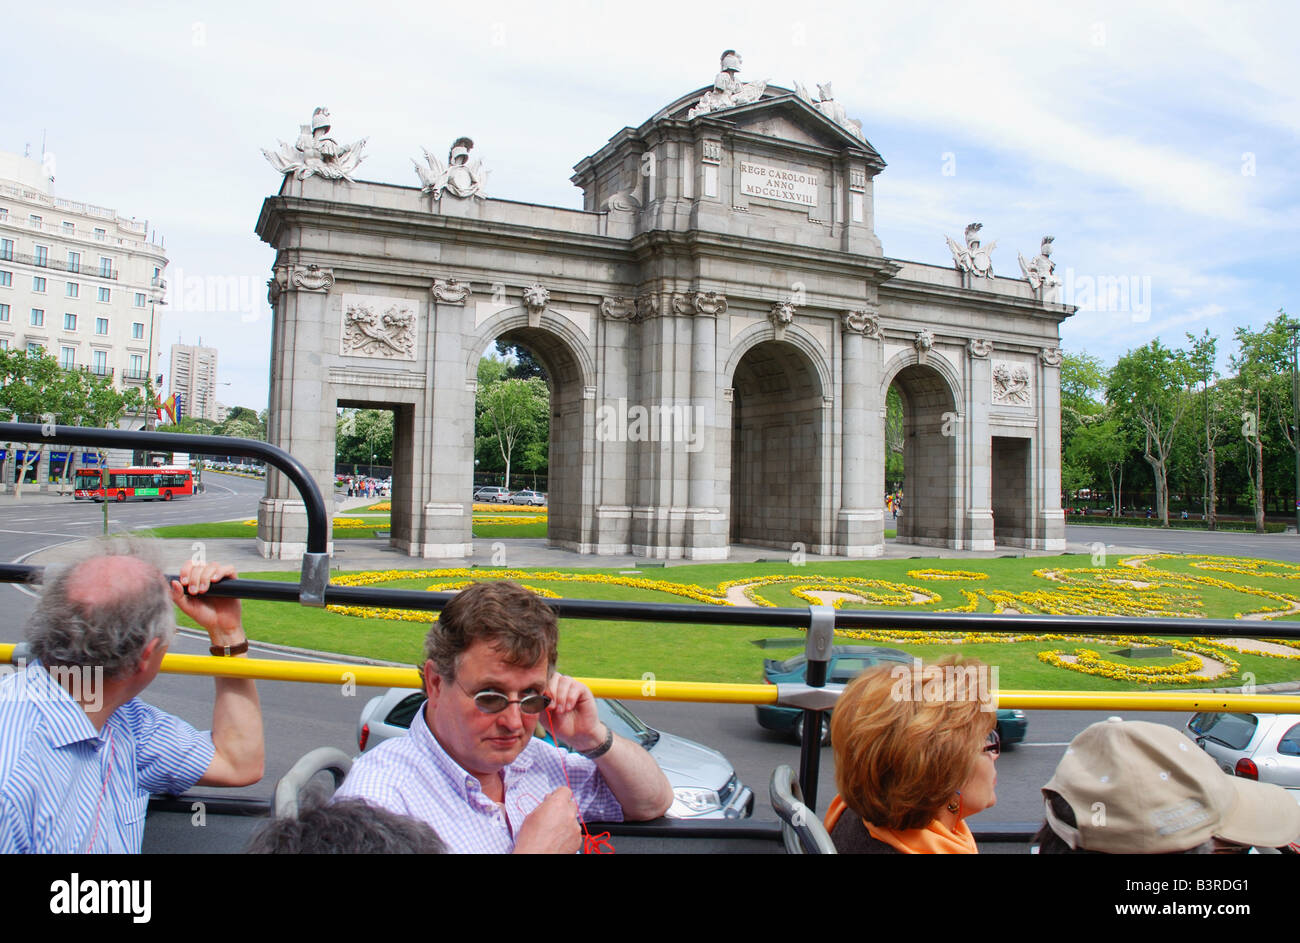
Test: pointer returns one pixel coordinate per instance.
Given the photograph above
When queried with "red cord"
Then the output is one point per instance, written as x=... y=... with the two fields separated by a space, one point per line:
x=591 y=844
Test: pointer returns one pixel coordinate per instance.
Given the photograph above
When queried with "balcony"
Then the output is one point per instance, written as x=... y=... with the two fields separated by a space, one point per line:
x=72 y=268
x=134 y=376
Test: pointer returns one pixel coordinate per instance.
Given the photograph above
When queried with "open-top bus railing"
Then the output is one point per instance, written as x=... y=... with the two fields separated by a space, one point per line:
x=819 y=622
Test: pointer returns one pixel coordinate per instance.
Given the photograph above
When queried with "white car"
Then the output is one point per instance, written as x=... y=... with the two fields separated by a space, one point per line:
x=1263 y=747
x=533 y=498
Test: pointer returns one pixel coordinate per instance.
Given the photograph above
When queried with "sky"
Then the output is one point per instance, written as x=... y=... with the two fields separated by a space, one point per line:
x=1158 y=142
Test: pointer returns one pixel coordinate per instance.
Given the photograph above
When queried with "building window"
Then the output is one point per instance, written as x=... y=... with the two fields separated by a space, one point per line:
x=74 y=290
x=7 y=249
x=38 y=317
x=105 y=295
x=74 y=261
x=100 y=234
x=41 y=255
x=38 y=284
x=4 y=214
x=67 y=357
x=34 y=349
x=6 y=279
x=105 y=266
x=4 y=343
x=34 y=221
x=69 y=321
x=100 y=363
x=137 y=366
x=4 y=312
x=101 y=325
x=137 y=330
x=69 y=227
x=139 y=299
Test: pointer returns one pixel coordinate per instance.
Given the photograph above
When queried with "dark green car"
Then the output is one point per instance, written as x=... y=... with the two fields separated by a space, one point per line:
x=847 y=662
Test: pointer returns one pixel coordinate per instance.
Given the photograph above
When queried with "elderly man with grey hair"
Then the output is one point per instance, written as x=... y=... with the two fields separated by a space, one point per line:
x=80 y=753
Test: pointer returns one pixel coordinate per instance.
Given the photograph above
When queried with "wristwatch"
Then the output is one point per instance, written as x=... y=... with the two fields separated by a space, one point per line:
x=228 y=650
x=603 y=748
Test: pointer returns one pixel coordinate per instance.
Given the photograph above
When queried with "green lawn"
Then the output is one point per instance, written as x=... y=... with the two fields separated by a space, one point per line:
x=717 y=653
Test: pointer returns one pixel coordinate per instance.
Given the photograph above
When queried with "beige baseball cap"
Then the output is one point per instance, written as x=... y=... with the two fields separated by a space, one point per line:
x=1143 y=788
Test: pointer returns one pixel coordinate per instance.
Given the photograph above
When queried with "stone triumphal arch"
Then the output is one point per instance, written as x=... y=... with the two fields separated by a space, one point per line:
x=719 y=325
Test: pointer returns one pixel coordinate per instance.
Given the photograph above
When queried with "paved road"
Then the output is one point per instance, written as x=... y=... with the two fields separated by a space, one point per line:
x=1081 y=537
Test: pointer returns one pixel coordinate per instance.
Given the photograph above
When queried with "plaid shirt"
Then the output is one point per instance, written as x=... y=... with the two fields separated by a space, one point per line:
x=414 y=776
x=66 y=787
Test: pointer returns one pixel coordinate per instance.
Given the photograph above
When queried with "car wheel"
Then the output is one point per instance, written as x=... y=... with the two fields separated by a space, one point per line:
x=826 y=729
x=121 y=496
x=167 y=495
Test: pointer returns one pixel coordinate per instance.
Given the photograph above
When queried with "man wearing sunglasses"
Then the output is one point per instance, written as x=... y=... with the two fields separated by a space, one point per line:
x=470 y=766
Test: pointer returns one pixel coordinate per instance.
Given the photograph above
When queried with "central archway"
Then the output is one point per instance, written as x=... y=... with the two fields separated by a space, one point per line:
x=777 y=495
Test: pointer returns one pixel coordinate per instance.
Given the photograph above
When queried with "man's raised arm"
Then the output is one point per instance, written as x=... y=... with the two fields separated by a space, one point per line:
x=628 y=769
x=236 y=713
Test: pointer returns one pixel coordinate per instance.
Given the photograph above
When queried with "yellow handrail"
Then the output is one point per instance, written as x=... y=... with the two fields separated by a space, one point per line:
x=652 y=689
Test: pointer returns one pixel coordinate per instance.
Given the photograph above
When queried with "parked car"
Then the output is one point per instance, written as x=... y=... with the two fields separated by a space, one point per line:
x=534 y=498
x=847 y=662
x=1263 y=747
x=705 y=785
x=492 y=495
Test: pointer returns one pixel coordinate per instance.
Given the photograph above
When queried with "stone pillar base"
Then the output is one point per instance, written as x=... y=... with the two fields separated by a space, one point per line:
x=613 y=524
x=281 y=529
x=860 y=532
x=440 y=531
x=979 y=529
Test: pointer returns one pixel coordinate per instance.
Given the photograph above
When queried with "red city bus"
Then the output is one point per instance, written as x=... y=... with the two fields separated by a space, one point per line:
x=146 y=484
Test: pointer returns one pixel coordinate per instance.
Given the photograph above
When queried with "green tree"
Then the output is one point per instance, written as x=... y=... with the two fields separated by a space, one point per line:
x=365 y=437
x=1263 y=365
x=510 y=414
x=1103 y=445
x=1150 y=386
x=1083 y=384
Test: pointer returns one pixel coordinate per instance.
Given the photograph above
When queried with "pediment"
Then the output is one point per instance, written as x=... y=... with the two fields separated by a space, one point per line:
x=780 y=114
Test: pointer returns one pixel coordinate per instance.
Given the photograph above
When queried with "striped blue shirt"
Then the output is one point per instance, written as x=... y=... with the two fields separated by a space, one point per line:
x=414 y=776
x=68 y=788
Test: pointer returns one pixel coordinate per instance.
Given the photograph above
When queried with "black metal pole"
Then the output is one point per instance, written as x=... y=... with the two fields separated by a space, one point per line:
x=821 y=632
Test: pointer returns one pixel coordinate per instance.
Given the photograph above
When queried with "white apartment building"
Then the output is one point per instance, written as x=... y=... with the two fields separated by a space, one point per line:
x=194 y=380
x=79 y=282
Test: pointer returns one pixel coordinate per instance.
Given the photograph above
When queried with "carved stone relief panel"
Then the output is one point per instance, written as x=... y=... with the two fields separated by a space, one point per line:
x=379 y=327
x=1011 y=384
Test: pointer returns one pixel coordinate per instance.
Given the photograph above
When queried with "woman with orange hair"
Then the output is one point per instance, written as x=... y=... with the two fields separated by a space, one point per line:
x=915 y=754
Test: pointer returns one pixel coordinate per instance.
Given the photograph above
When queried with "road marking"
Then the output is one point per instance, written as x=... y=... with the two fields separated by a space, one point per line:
x=1063 y=743
x=37 y=533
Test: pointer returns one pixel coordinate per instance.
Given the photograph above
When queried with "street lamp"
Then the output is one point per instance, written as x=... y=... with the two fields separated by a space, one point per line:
x=372 y=465
x=158 y=285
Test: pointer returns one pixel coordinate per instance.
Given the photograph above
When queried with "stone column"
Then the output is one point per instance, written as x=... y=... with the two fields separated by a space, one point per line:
x=979 y=446
x=613 y=506
x=859 y=524
x=706 y=538
x=1049 y=528
x=301 y=408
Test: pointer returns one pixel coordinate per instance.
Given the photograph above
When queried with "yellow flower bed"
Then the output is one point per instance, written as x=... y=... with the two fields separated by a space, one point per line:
x=947 y=575
x=1130 y=590
x=521 y=519
x=338 y=522
x=380 y=508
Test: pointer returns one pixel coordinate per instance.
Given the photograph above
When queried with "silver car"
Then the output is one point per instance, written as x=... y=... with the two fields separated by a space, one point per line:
x=705 y=785
x=532 y=498
x=1263 y=747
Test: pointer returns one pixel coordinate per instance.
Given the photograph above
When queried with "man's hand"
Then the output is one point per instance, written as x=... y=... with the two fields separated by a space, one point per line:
x=573 y=713
x=220 y=616
x=551 y=828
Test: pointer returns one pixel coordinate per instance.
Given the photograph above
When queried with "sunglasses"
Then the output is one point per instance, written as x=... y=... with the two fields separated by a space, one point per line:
x=494 y=702
x=993 y=744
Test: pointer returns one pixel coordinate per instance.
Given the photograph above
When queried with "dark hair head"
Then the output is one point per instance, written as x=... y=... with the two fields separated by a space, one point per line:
x=346 y=827
x=501 y=613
